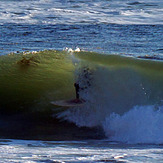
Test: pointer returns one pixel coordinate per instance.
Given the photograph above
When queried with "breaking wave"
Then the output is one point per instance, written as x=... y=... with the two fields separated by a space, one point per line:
x=123 y=94
x=124 y=98
x=142 y=124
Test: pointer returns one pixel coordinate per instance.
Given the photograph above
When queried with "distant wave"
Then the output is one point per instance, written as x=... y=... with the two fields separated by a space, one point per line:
x=81 y=12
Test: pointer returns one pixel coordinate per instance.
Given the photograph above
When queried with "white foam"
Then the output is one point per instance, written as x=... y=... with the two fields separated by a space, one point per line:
x=142 y=124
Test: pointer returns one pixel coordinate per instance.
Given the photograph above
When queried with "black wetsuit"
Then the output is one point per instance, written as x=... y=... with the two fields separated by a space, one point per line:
x=76 y=85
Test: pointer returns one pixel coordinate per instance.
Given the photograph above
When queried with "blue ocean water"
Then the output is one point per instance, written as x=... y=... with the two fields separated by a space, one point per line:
x=123 y=27
x=133 y=40
x=113 y=27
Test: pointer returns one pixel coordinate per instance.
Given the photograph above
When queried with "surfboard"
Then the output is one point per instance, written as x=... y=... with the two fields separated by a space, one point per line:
x=68 y=103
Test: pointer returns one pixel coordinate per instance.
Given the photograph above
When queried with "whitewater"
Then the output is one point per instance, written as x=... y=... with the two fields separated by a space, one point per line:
x=118 y=64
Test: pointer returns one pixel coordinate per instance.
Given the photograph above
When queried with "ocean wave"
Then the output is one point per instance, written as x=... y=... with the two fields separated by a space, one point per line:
x=35 y=74
x=111 y=85
x=124 y=97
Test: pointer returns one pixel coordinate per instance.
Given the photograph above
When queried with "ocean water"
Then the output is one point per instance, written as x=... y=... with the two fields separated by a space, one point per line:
x=114 y=27
x=77 y=151
x=120 y=70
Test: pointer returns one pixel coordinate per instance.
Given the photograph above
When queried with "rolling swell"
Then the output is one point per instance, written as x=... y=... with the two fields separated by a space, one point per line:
x=110 y=83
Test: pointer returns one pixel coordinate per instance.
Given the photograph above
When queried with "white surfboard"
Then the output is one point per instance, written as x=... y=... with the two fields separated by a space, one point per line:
x=68 y=103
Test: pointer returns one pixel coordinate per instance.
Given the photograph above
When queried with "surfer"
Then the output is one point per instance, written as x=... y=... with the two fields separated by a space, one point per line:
x=76 y=85
x=85 y=78
x=77 y=100
x=82 y=84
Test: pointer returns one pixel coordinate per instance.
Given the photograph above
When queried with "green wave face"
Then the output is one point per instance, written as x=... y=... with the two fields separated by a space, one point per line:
x=33 y=80
x=120 y=83
x=29 y=82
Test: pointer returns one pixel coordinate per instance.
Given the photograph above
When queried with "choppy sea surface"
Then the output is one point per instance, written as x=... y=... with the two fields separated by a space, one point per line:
x=127 y=94
x=77 y=151
x=121 y=27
